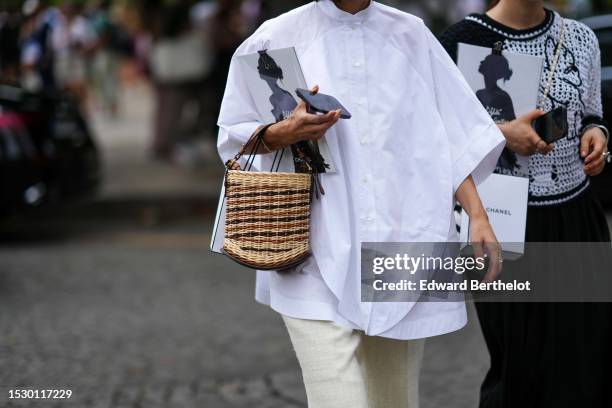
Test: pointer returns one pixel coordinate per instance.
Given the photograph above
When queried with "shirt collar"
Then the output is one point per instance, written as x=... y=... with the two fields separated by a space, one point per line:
x=329 y=7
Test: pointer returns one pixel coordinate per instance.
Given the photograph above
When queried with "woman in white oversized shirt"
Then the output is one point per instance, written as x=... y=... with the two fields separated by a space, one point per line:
x=418 y=140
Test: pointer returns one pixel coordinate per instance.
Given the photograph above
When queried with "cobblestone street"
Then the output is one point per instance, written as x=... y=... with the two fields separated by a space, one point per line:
x=138 y=323
x=140 y=327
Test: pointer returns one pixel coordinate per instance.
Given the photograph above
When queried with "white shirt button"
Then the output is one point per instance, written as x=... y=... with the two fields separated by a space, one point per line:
x=370 y=218
x=363 y=141
x=357 y=64
x=365 y=179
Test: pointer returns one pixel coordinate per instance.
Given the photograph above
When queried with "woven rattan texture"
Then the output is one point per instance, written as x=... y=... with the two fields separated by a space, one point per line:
x=268 y=216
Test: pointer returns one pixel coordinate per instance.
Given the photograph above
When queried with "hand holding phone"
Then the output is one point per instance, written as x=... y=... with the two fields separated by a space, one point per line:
x=552 y=126
x=321 y=103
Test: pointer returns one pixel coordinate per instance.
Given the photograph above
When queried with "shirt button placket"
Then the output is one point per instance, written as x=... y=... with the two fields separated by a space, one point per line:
x=357 y=77
x=358 y=82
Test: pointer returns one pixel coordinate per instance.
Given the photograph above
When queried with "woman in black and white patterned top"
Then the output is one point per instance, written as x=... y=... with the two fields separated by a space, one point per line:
x=539 y=354
x=559 y=176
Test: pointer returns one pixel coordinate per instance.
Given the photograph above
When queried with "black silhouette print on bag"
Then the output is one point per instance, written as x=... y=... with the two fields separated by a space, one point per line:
x=305 y=153
x=497 y=101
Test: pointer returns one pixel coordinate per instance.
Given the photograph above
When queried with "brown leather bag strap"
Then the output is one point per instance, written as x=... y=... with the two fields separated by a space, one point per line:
x=255 y=141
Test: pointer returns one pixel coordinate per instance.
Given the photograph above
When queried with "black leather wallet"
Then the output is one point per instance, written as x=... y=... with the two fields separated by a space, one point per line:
x=321 y=103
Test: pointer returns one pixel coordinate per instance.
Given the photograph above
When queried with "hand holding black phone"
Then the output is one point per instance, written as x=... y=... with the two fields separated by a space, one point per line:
x=552 y=126
x=321 y=103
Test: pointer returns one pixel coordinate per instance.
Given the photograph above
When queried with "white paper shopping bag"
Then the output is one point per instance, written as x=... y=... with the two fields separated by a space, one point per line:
x=505 y=199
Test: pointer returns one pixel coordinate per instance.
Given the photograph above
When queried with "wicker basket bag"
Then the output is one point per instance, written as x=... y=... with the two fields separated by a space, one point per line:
x=268 y=214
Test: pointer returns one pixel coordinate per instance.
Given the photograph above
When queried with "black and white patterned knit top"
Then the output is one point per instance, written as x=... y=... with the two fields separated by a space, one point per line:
x=557 y=177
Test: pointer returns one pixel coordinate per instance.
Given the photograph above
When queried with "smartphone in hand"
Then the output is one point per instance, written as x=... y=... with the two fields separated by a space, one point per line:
x=552 y=126
x=321 y=103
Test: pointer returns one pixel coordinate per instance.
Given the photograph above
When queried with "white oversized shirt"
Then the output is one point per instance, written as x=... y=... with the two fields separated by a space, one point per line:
x=416 y=133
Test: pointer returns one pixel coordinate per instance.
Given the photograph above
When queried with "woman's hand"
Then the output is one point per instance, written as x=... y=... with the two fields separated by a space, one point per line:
x=593 y=146
x=521 y=138
x=483 y=238
x=485 y=244
x=301 y=125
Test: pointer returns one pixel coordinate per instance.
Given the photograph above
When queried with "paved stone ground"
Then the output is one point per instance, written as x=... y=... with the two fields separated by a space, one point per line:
x=141 y=320
x=138 y=327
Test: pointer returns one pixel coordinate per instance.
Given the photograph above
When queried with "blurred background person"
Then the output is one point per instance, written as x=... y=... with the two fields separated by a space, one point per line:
x=37 y=53
x=225 y=24
x=230 y=28
x=112 y=44
x=74 y=42
x=180 y=62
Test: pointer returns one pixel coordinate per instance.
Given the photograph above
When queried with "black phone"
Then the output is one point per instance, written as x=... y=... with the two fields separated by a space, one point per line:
x=552 y=126
x=321 y=103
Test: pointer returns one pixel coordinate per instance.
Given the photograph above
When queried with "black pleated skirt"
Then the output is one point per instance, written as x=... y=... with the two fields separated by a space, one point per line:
x=551 y=354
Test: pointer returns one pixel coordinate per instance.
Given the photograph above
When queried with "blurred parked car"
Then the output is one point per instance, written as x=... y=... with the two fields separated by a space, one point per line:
x=602 y=26
x=47 y=154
